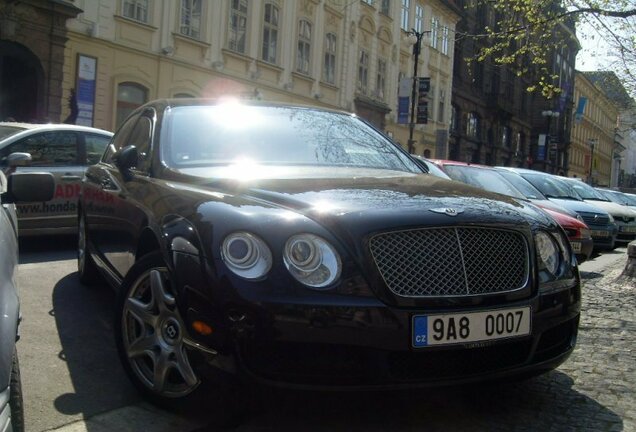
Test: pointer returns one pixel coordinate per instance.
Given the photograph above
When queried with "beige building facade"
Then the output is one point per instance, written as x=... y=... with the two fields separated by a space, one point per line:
x=338 y=54
x=593 y=134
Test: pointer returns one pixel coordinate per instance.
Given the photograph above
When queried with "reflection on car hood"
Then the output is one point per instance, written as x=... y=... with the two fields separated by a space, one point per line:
x=378 y=195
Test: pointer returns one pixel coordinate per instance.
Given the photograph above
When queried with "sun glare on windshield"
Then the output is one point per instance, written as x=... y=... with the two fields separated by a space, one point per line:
x=232 y=114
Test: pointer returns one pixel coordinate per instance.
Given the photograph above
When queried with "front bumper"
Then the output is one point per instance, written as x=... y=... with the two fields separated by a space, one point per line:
x=351 y=345
x=626 y=232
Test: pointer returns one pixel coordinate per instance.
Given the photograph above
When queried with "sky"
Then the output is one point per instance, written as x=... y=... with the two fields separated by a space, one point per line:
x=593 y=54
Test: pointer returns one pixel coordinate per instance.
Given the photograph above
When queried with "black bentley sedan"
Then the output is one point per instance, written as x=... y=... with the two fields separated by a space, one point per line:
x=300 y=247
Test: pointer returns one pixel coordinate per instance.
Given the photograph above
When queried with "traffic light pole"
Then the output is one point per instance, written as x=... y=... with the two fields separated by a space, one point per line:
x=416 y=54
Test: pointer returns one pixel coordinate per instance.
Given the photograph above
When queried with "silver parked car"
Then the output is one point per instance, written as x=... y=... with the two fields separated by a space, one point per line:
x=18 y=187
x=61 y=149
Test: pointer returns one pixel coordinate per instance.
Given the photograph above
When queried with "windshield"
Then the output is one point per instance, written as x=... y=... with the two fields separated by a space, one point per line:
x=550 y=186
x=586 y=191
x=483 y=178
x=7 y=131
x=617 y=197
x=201 y=136
x=522 y=185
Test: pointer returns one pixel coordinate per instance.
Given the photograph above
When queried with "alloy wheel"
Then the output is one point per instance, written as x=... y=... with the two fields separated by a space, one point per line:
x=153 y=334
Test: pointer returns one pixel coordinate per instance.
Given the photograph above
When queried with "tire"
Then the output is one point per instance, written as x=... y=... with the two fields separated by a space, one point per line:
x=15 y=396
x=149 y=333
x=86 y=268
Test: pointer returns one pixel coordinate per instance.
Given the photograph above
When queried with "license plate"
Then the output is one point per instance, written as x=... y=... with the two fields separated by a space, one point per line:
x=461 y=328
x=628 y=229
x=600 y=233
x=576 y=247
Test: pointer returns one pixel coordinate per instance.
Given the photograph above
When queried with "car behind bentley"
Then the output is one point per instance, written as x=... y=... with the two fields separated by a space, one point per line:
x=299 y=247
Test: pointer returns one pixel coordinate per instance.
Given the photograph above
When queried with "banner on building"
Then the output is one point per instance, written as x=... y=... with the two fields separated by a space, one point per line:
x=578 y=116
x=403 y=110
x=541 y=147
x=85 y=89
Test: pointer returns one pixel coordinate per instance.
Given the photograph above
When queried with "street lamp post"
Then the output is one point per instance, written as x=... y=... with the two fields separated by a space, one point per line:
x=414 y=38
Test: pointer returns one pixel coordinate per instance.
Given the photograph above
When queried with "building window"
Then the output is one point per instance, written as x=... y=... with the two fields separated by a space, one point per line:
x=136 y=9
x=270 y=33
x=329 y=72
x=441 y=105
x=385 y=7
x=363 y=71
x=505 y=136
x=380 y=80
x=191 y=18
x=130 y=96
x=369 y=2
x=304 y=47
x=419 y=18
x=445 y=40
x=238 y=25
x=431 y=102
x=472 y=125
x=434 y=32
x=454 y=124
x=404 y=17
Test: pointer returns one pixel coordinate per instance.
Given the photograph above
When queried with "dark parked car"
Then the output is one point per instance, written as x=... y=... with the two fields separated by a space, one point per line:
x=16 y=188
x=63 y=150
x=300 y=247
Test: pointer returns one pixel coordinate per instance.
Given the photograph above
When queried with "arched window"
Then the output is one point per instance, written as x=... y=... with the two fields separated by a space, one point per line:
x=129 y=96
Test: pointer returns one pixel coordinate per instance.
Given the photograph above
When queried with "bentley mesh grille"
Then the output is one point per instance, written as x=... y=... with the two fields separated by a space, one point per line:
x=451 y=261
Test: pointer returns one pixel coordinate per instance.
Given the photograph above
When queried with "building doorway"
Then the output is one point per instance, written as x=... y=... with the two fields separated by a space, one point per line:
x=21 y=84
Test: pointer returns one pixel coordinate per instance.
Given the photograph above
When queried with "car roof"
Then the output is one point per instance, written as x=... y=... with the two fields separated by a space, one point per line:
x=180 y=102
x=54 y=126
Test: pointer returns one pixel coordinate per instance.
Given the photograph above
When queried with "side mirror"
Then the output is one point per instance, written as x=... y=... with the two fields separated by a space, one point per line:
x=18 y=159
x=29 y=187
x=126 y=158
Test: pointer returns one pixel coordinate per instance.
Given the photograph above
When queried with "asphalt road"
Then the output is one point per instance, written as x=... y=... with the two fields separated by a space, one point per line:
x=73 y=381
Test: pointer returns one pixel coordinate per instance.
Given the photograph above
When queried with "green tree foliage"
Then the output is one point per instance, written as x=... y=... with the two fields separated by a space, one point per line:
x=524 y=34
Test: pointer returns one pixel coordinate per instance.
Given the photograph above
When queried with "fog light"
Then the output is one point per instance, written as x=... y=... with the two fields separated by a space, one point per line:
x=202 y=328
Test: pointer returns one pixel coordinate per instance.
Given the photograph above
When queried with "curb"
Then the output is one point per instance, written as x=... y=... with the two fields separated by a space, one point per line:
x=141 y=417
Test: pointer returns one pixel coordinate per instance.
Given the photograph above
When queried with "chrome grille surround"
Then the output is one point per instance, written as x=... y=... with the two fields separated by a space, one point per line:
x=451 y=262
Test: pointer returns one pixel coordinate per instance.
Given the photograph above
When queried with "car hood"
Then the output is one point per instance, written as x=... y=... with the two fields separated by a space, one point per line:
x=613 y=208
x=578 y=206
x=376 y=199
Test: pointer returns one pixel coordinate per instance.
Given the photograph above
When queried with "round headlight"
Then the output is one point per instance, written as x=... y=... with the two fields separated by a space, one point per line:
x=548 y=252
x=246 y=255
x=312 y=260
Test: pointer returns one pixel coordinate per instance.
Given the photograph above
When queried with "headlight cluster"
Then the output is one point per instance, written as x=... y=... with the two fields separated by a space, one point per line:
x=246 y=255
x=552 y=251
x=310 y=259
